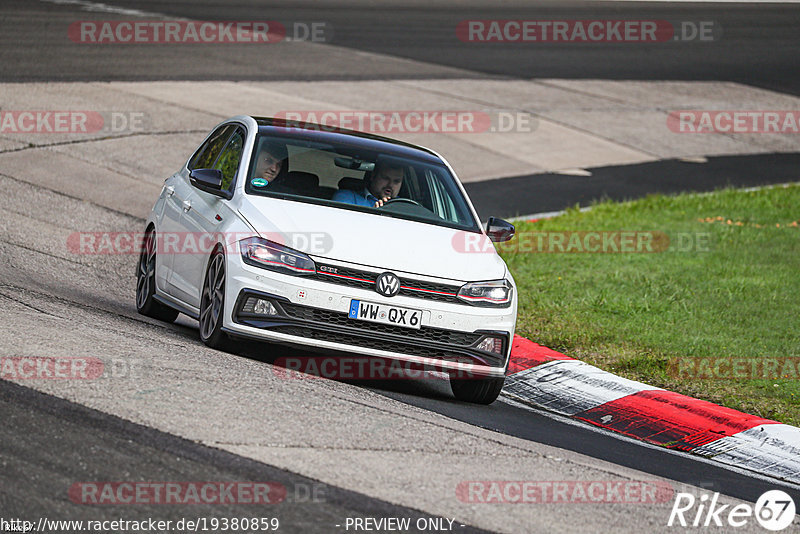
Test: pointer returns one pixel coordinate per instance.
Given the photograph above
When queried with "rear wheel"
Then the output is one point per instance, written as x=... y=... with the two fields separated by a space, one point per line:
x=212 y=304
x=477 y=390
x=146 y=283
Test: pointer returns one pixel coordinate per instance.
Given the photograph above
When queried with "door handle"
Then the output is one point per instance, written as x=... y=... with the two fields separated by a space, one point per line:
x=187 y=205
x=170 y=190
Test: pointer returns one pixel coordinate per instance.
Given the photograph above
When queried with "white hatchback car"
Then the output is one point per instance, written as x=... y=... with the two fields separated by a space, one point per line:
x=336 y=241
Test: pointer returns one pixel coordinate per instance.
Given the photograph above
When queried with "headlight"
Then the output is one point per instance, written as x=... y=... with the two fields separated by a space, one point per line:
x=495 y=293
x=268 y=255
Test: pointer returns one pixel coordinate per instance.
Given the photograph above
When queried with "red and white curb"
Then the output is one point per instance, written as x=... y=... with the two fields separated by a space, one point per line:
x=550 y=380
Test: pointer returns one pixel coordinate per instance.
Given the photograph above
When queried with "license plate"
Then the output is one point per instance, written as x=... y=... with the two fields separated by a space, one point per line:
x=381 y=313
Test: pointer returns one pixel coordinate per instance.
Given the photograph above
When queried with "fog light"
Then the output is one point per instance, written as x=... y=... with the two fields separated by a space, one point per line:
x=264 y=307
x=491 y=344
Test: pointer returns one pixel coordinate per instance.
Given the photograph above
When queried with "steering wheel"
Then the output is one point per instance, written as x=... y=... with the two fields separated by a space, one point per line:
x=401 y=199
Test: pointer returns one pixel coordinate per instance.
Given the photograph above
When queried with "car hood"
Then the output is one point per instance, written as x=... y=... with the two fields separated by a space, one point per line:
x=325 y=232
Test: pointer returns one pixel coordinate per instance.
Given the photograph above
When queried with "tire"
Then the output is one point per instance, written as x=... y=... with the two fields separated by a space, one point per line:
x=212 y=304
x=477 y=390
x=146 y=283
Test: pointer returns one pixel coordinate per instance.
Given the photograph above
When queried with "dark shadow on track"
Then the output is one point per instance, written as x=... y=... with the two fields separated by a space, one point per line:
x=537 y=193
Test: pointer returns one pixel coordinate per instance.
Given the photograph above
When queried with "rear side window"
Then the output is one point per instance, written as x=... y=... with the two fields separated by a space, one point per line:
x=229 y=158
x=207 y=154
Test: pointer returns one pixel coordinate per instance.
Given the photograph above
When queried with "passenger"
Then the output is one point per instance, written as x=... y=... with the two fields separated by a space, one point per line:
x=383 y=185
x=271 y=166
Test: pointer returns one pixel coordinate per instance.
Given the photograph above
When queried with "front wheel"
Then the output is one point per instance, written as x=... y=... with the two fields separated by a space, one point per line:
x=477 y=390
x=212 y=304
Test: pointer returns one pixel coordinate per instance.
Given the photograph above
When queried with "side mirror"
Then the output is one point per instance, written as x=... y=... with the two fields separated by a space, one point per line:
x=210 y=181
x=499 y=230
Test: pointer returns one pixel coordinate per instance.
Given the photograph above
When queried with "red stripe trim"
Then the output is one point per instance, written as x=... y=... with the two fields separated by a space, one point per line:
x=526 y=354
x=428 y=291
x=348 y=277
x=670 y=419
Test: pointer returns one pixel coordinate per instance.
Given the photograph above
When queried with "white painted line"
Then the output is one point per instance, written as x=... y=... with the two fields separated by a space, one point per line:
x=569 y=387
x=600 y=430
x=565 y=388
x=105 y=8
x=574 y=172
x=772 y=449
x=544 y=215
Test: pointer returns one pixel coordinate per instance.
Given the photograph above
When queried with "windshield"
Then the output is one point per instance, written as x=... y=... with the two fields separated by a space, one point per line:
x=358 y=179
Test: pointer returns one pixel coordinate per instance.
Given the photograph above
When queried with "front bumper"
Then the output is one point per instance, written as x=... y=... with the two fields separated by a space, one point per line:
x=313 y=313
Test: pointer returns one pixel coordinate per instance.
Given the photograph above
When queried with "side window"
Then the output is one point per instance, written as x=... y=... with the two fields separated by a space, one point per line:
x=441 y=199
x=228 y=160
x=207 y=154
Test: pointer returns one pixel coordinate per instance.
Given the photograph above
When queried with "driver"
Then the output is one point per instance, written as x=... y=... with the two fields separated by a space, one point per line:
x=383 y=185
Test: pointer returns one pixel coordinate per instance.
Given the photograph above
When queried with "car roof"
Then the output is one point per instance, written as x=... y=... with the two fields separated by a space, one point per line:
x=334 y=135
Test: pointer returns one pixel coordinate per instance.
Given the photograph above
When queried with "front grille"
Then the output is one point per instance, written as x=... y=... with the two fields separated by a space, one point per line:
x=408 y=287
x=346 y=277
x=320 y=316
x=371 y=343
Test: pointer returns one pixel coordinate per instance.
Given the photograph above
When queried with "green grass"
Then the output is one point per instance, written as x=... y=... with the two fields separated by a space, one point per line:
x=633 y=313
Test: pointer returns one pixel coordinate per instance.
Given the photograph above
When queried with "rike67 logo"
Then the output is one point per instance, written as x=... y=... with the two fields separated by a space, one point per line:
x=774 y=510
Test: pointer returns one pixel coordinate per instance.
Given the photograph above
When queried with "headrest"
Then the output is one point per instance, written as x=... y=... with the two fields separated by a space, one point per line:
x=301 y=180
x=352 y=184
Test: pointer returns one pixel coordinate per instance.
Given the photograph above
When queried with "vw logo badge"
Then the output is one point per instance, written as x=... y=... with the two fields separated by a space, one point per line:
x=387 y=284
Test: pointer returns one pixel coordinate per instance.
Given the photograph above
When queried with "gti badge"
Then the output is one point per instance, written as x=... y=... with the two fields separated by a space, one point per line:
x=387 y=284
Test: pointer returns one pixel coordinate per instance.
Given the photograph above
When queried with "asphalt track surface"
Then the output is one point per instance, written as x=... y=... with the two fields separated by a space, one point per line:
x=758 y=43
x=48 y=442
x=35 y=478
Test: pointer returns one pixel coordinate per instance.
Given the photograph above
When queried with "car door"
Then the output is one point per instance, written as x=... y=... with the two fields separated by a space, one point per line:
x=203 y=218
x=168 y=219
x=173 y=234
